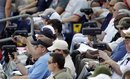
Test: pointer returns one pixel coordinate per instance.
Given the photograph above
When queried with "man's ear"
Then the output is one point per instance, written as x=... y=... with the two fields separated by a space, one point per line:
x=56 y=65
x=43 y=49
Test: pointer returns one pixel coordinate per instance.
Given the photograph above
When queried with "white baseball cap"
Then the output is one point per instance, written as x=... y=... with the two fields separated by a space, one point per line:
x=58 y=44
x=50 y=27
x=52 y=15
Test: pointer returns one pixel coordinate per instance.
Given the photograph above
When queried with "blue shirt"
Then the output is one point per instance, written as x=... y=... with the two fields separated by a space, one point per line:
x=40 y=69
x=119 y=52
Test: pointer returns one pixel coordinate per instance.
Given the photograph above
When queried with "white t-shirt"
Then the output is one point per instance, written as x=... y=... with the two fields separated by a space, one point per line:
x=69 y=64
x=110 y=32
x=124 y=66
x=74 y=7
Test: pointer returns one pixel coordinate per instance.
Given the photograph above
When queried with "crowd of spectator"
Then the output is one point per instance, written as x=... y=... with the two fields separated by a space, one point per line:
x=59 y=47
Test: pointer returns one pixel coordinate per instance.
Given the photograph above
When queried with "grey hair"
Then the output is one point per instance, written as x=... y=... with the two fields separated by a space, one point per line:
x=121 y=5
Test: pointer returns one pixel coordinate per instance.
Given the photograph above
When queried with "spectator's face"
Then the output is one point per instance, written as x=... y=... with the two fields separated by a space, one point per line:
x=51 y=64
x=127 y=44
x=58 y=51
x=95 y=4
x=110 y=7
x=120 y=28
x=39 y=49
x=113 y=2
x=115 y=10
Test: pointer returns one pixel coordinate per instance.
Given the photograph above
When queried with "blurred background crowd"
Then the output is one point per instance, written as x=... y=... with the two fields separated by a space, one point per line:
x=64 y=39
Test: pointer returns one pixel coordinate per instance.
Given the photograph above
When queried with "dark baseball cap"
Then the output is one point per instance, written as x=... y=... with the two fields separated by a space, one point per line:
x=43 y=42
x=47 y=32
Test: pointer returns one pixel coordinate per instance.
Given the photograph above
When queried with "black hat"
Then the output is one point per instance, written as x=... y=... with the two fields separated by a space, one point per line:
x=43 y=42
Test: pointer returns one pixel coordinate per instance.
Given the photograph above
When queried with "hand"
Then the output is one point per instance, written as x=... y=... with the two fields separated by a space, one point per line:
x=20 y=8
x=103 y=55
x=23 y=12
x=7 y=24
x=15 y=59
x=92 y=64
x=20 y=39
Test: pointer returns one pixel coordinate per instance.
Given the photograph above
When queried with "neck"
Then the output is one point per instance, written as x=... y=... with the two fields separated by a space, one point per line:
x=42 y=54
x=56 y=71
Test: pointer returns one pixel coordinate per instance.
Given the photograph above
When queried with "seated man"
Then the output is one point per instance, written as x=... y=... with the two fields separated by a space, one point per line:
x=61 y=46
x=56 y=65
x=120 y=67
x=39 y=70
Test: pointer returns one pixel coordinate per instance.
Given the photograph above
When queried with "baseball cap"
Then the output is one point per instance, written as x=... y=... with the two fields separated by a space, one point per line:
x=124 y=23
x=58 y=44
x=47 y=32
x=50 y=27
x=43 y=42
x=101 y=69
x=51 y=15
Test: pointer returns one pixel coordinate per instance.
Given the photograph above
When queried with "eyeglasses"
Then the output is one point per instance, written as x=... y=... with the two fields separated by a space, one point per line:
x=123 y=28
x=111 y=5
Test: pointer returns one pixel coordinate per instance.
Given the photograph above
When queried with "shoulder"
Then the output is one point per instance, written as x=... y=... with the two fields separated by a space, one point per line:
x=44 y=58
x=64 y=74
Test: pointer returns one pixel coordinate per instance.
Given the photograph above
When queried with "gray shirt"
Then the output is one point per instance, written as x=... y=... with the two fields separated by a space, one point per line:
x=63 y=74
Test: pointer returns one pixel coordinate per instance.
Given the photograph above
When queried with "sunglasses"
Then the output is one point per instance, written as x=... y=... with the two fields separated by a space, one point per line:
x=111 y=5
x=57 y=50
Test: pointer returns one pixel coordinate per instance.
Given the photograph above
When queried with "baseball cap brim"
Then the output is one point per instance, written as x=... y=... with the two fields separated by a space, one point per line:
x=39 y=42
x=51 y=48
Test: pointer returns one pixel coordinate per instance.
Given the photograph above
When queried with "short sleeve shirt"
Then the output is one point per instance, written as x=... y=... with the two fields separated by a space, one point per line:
x=74 y=7
x=40 y=69
x=124 y=66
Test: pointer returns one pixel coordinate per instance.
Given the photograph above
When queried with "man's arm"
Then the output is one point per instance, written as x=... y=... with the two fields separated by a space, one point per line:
x=20 y=77
x=73 y=18
x=31 y=10
x=8 y=8
x=30 y=48
x=114 y=66
x=109 y=61
x=33 y=4
x=21 y=68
